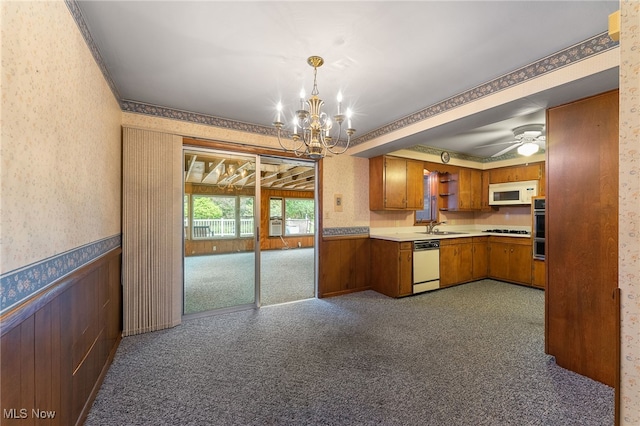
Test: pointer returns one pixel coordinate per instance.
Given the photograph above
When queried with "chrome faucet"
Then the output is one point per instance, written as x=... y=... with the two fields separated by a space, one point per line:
x=432 y=224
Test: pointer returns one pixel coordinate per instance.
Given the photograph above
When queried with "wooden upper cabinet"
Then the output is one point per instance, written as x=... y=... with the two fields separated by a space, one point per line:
x=484 y=188
x=473 y=187
x=462 y=190
x=395 y=184
x=533 y=171
x=415 y=185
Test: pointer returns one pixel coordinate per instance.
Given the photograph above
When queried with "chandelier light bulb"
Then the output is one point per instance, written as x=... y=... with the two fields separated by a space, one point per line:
x=302 y=96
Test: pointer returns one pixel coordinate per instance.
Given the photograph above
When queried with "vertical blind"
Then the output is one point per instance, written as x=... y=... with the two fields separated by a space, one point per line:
x=151 y=231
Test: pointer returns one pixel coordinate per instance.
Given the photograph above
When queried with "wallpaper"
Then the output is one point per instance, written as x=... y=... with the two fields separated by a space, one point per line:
x=348 y=178
x=61 y=151
x=629 y=211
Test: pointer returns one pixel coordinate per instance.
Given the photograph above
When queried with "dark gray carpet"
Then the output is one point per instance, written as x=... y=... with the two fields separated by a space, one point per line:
x=467 y=355
x=224 y=280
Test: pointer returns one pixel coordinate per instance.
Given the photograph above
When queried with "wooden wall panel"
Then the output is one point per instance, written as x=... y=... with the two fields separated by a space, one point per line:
x=11 y=373
x=363 y=254
x=275 y=243
x=582 y=236
x=44 y=358
x=56 y=348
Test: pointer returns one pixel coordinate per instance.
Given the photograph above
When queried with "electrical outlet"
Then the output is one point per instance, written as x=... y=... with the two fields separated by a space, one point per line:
x=215 y=248
x=299 y=244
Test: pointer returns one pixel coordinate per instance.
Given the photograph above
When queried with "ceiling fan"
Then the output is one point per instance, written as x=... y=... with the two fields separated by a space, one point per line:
x=528 y=140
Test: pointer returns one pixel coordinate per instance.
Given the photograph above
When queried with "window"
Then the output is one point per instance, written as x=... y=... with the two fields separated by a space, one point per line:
x=430 y=211
x=220 y=216
x=246 y=213
x=298 y=215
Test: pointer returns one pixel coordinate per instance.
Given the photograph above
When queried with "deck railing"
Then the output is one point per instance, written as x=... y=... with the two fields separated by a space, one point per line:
x=219 y=228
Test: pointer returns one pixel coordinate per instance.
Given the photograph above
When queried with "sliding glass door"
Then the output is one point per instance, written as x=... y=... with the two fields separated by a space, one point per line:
x=221 y=205
x=287 y=271
x=249 y=231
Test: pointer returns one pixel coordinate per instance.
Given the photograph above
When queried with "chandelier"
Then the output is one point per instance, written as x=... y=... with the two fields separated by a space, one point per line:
x=312 y=128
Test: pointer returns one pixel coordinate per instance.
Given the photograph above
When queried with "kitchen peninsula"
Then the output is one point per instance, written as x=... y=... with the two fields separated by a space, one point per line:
x=465 y=255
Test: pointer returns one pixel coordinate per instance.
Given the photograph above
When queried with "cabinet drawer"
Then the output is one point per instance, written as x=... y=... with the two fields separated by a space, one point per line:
x=510 y=240
x=406 y=246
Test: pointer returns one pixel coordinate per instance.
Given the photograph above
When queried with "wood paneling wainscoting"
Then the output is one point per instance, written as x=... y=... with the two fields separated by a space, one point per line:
x=344 y=265
x=57 y=347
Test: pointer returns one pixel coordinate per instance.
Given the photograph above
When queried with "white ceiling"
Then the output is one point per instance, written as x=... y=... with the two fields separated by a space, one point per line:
x=237 y=59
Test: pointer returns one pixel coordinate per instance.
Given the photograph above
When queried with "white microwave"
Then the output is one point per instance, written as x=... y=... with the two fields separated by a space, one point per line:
x=512 y=193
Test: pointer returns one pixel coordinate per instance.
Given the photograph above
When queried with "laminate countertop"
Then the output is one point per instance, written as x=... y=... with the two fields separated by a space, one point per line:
x=419 y=236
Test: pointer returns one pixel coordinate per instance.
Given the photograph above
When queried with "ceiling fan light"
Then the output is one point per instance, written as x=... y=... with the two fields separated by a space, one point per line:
x=528 y=149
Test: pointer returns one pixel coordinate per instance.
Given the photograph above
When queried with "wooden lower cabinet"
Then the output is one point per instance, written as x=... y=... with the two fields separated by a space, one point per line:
x=480 y=257
x=539 y=275
x=510 y=259
x=392 y=267
x=456 y=261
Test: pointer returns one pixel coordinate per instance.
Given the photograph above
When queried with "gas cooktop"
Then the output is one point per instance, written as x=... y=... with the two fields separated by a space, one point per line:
x=507 y=231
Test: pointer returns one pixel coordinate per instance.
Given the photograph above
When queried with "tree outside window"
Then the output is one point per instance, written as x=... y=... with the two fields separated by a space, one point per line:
x=216 y=216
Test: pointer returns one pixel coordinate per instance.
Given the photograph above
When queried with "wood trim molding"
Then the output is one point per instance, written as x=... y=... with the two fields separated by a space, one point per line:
x=237 y=147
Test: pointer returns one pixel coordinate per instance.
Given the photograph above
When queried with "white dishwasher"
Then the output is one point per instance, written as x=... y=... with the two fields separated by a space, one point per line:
x=426 y=265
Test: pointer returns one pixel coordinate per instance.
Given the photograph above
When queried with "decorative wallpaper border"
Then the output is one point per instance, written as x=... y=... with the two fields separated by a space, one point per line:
x=17 y=285
x=194 y=117
x=345 y=232
x=595 y=45
x=461 y=156
x=590 y=47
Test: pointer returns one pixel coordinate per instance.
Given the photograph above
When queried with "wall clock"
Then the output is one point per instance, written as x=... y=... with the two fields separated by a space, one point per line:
x=445 y=157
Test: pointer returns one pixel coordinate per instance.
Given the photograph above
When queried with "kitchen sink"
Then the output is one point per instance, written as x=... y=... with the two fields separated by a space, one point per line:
x=444 y=233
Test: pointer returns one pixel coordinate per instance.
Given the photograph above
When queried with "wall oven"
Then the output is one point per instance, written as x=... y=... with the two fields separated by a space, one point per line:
x=538 y=231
